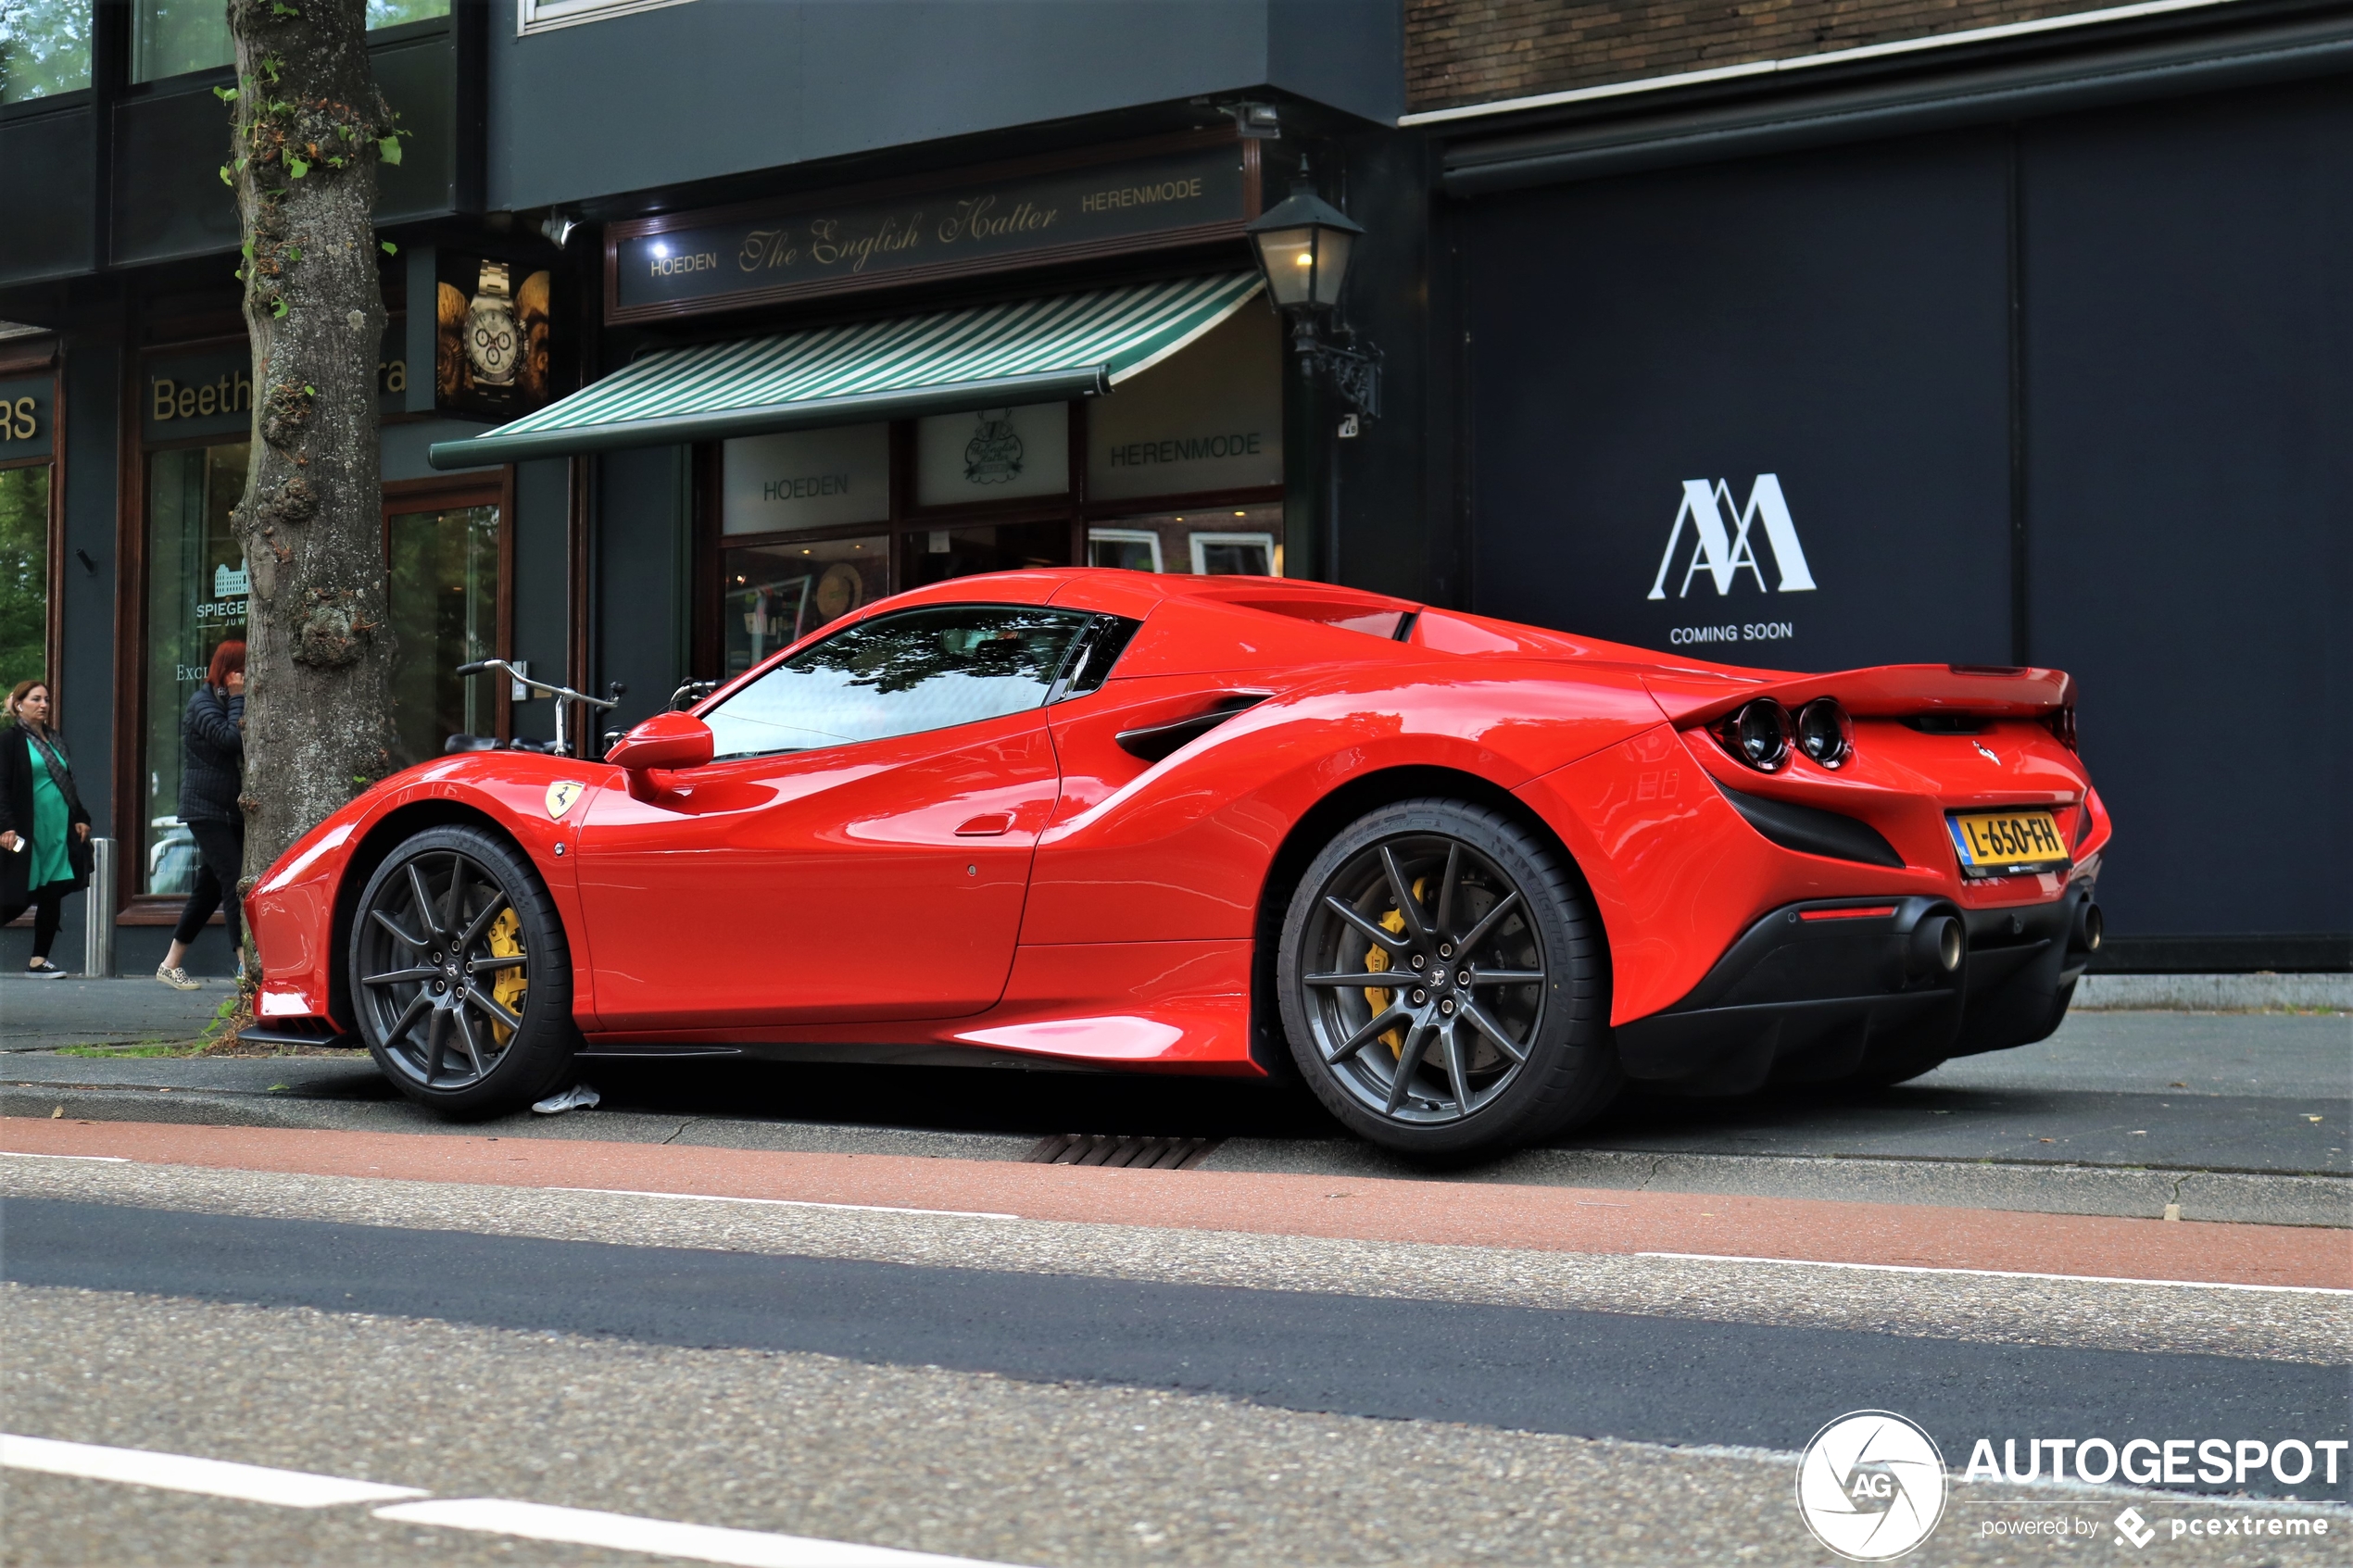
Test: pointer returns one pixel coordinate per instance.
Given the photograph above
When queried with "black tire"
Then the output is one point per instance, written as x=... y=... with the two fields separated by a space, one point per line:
x=1502 y=903
x=433 y=965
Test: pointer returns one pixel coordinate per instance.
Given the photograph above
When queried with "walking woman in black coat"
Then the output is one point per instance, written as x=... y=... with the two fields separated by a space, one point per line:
x=45 y=832
x=212 y=767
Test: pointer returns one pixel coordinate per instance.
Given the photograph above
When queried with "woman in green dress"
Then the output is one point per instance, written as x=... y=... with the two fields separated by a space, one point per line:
x=45 y=832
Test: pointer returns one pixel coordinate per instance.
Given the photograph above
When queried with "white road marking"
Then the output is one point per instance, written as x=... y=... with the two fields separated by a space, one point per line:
x=2003 y=1273
x=623 y=1532
x=495 y=1516
x=93 y=1158
x=790 y=1203
x=179 y=1472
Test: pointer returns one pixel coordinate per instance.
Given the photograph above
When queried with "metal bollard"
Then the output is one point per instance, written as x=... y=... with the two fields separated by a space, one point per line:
x=98 y=914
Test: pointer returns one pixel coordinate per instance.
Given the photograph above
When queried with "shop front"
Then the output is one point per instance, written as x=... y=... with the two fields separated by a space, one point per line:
x=844 y=434
x=447 y=555
x=814 y=524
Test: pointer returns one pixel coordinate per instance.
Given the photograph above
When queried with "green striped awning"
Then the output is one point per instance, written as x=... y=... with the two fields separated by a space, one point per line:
x=1029 y=351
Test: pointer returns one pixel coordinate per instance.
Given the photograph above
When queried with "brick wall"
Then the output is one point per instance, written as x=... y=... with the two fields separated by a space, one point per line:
x=1477 y=51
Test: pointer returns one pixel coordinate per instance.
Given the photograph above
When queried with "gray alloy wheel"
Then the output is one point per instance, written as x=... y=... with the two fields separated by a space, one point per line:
x=460 y=974
x=1444 y=983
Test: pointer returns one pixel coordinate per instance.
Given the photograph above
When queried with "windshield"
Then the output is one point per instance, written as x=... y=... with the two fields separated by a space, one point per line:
x=899 y=675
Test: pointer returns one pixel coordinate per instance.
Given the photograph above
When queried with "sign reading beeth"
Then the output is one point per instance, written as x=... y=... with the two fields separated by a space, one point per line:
x=688 y=262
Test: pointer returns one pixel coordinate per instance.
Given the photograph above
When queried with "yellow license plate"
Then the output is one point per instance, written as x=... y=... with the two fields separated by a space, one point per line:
x=2007 y=841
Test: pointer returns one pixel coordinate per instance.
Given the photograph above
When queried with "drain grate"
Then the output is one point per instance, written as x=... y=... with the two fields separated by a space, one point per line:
x=1103 y=1148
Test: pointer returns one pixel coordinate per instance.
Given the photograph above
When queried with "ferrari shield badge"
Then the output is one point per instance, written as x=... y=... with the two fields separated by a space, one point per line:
x=562 y=794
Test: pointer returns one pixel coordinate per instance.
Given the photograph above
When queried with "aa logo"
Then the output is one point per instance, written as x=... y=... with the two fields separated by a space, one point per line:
x=1870 y=1486
x=1724 y=538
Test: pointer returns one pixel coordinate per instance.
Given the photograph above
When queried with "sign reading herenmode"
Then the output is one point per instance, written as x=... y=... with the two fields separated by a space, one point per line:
x=678 y=265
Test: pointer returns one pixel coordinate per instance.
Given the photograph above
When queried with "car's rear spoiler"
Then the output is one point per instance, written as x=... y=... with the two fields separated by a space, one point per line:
x=1882 y=691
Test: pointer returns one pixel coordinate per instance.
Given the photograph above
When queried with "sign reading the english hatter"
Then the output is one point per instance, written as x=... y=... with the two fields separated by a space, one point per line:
x=1184 y=191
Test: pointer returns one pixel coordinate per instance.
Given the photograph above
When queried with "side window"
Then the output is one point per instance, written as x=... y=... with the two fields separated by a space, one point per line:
x=1097 y=650
x=900 y=675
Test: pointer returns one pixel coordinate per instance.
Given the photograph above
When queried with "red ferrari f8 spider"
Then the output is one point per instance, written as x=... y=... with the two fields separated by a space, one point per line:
x=1463 y=877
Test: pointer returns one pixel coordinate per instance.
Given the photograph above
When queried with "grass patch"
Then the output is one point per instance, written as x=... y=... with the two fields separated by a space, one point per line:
x=144 y=1049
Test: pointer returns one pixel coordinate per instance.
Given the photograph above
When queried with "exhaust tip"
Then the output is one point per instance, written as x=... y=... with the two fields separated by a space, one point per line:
x=1938 y=945
x=2089 y=926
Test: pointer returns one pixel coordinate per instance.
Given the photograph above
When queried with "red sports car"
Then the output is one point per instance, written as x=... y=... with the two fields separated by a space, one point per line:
x=1463 y=877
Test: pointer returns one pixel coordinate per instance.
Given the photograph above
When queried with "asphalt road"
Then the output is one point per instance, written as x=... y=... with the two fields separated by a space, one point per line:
x=1583 y=1374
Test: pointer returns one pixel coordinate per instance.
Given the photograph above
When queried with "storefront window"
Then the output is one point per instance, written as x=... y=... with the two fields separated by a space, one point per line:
x=1209 y=418
x=24 y=573
x=937 y=554
x=993 y=455
x=45 y=49
x=196 y=601
x=771 y=596
x=445 y=611
x=173 y=37
x=803 y=479
x=1218 y=541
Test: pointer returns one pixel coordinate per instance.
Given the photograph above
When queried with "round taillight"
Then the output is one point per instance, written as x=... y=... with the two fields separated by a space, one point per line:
x=1760 y=735
x=1824 y=733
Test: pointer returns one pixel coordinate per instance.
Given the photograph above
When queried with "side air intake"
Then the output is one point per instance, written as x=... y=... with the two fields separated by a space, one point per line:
x=1811 y=830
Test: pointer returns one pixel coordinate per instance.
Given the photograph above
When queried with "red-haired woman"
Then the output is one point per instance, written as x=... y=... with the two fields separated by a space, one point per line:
x=213 y=765
x=45 y=832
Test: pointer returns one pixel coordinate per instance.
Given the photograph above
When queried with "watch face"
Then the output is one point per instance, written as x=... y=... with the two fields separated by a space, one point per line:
x=491 y=340
x=492 y=335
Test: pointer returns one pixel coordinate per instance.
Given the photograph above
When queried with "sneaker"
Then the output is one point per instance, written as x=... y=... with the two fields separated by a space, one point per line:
x=41 y=969
x=177 y=979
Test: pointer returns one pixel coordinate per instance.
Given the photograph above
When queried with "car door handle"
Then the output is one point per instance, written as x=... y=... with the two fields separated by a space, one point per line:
x=989 y=826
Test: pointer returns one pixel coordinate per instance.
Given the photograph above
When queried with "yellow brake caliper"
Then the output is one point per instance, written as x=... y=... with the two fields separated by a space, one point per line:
x=506 y=942
x=1377 y=962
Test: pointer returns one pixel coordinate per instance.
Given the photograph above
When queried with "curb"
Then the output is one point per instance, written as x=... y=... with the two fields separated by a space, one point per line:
x=2213 y=993
x=2324 y=1201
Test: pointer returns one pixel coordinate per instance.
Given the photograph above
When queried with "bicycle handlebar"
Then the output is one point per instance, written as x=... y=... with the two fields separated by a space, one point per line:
x=483 y=666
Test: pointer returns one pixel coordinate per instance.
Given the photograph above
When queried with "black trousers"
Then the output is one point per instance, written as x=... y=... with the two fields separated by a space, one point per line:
x=222 y=845
x=44 y=903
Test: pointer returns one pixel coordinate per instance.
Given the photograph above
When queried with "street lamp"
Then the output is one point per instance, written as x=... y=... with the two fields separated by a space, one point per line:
x=1303 y=245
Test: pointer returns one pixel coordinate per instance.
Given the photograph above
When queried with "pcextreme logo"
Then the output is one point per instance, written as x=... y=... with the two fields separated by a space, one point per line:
x=1870 y=1486
x=1727 y=552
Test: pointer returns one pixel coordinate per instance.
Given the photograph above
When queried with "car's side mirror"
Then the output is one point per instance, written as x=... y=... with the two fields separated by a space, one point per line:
x=666 y=740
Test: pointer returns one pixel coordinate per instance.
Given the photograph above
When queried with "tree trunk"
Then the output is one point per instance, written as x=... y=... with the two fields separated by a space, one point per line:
x=310 y=126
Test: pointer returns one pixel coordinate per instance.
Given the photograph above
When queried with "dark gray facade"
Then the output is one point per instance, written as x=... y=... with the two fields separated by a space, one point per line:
x=2055 y=388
